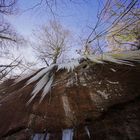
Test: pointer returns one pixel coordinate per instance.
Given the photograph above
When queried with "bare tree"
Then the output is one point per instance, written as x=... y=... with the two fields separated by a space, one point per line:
x=111 y=13
x=125 y=34
x=128 y=38
x=8 y=38
x=12 y=66
x=53 y=41
x=116 y=17
x=7 y=33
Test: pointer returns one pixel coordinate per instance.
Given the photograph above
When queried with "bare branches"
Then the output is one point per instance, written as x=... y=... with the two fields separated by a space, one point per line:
x=7 y=34
x=53 y=41
x=7 y=6
x=34 y=6
x=111 y=15
x=6 y=69
x=14 y=67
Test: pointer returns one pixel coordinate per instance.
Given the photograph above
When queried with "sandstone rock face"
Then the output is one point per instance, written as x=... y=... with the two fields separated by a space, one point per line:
x=94 y=101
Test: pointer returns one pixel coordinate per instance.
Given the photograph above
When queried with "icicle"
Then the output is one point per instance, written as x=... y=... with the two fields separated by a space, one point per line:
x=67 y=134
x=39 y=86
x=87 y=131
x=95 y=59
x=128 y=55
x=111 y=59
x=46 y=88
x=39 y=74
x=69 y=65
x=47 y=137
x=41 y=83
x=120 y=58
x=39 y=136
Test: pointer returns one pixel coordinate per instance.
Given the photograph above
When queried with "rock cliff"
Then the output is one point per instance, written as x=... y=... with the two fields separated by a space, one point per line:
x=99 y=101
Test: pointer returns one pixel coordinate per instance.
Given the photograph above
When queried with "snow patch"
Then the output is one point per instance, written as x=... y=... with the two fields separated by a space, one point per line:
x=103 y=94
x=70 y=82
x=83 y=81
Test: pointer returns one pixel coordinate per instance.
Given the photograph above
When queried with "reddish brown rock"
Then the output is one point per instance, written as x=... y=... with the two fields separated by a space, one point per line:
x=103 y=97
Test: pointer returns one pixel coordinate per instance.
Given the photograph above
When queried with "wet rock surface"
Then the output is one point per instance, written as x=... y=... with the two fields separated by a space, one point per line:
x=96 y=101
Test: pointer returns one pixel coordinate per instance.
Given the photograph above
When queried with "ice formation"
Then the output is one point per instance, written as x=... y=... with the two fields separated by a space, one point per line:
x=87 y=131
x=67 y=134
x=41 y=136
x=45 y=77
x=69 y=66
x=38 y=136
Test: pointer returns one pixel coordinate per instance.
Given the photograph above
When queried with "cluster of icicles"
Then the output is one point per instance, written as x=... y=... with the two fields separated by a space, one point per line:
x=67 y=134
x=44 y=78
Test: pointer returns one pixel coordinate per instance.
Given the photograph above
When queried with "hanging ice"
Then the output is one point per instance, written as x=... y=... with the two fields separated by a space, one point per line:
x=44 y=77
x=46 y=81
x=67 y=134
x=39 y=136
x=39 y=74
x=47 y=137
x=47 y=88
x=94 y=58
x=115 y=60
x=87 y=131
x=69 y=65
x=119 y=58
x=39 y=86
x=128 y=55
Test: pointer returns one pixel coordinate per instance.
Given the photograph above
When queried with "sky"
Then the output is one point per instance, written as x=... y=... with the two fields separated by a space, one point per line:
x=75 y=16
